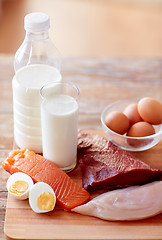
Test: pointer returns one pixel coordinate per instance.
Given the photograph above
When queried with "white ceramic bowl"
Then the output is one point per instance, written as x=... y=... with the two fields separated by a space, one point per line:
x=123 y=141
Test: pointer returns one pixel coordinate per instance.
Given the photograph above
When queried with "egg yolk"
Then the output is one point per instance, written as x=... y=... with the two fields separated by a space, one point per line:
x=46 y=201
x=18 y=187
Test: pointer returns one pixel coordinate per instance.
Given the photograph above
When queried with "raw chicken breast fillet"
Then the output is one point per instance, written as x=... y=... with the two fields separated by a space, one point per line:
x=130 y=203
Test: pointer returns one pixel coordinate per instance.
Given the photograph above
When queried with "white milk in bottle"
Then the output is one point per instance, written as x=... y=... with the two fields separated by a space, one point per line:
x=37 y=62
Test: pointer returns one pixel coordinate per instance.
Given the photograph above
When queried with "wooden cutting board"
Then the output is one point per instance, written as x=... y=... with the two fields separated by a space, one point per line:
x=22 y=223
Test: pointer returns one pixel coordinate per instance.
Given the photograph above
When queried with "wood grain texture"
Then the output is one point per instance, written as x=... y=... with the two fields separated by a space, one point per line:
x=22 y=222
x=101 y=81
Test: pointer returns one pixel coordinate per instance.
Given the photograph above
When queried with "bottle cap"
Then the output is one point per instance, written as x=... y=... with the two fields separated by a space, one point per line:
x=37 y=22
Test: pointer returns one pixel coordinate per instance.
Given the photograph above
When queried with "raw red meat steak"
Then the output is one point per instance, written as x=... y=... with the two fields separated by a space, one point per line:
x=106 y=166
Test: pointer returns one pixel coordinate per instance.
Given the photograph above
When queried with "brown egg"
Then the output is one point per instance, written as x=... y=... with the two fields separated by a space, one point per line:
x=131 y=111
x=117 y=122
x=150 y=110
x=141 y=129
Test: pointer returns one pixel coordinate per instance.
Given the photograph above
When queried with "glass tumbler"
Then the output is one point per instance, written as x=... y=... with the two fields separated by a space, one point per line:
x=59 y=123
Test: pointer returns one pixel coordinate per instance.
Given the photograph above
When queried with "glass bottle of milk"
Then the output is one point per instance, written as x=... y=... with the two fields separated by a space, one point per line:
x=36 y=63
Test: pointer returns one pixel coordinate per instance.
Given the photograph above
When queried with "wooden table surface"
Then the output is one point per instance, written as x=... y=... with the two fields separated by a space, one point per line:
x=101 y=81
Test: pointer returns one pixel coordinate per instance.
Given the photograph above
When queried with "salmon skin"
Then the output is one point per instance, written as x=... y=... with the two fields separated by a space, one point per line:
x=68 y=193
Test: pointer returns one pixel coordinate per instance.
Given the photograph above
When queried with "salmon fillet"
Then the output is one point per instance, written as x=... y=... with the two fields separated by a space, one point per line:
x=68 y=193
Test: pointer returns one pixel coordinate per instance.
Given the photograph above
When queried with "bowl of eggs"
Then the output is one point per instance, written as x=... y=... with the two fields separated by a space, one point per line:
x=133 y=125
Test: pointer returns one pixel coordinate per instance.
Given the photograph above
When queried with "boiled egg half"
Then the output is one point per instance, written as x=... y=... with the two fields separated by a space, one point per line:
x=42 y=198
x=19 y=185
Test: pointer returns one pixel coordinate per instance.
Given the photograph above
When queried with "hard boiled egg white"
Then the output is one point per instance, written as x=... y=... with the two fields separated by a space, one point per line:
x=19 y=185
x=42 y=198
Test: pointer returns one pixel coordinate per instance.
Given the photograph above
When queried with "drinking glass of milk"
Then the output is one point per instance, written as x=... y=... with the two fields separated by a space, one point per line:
x=59 y=121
